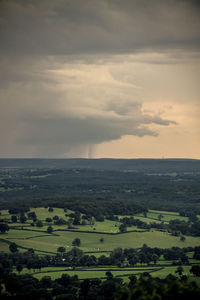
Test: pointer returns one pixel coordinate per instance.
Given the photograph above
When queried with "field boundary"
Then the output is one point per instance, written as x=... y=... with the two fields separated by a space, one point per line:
x=139 y=270
x=100 y=232
x=26 y=248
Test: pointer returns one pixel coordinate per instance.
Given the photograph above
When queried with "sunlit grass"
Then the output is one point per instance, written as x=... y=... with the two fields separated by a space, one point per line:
x=91 y=241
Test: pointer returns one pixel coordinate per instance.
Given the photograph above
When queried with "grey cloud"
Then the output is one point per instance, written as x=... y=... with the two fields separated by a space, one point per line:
x=74 y=131
x=93 y=26
x=64 y=135
x=122 y=108
x=41 y=131
x=45 y=115
x=39 y=117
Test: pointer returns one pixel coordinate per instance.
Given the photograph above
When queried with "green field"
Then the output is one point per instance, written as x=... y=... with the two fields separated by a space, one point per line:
x=91 y=241
x=171 y=270
x=167 y=216
x=163 y=212
x=27 y=236
x=84 y=273
x=38 y=239
x=96 y=272
x=147 y=220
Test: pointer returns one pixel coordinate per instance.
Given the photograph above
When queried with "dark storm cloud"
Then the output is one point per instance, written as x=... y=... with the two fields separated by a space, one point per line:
x=93 y=26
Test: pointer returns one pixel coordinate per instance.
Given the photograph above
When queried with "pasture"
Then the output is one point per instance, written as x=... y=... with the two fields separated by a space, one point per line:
x=100 y=272
x=90 y=242
x=37 y=238
x=166 y=216
x=91 y=272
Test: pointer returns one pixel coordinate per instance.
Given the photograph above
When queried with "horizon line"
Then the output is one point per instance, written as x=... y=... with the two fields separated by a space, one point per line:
x=99 y=158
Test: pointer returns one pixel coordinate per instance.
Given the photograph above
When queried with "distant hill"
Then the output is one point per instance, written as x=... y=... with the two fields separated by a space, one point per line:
x=138 y=165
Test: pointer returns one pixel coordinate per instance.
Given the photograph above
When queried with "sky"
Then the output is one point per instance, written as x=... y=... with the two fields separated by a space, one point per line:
x=99 y=78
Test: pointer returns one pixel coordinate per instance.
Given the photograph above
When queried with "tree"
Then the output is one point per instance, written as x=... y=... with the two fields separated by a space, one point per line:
x=99 y=218
x=182 y=238
x=13 y=247
x=50 y=209
x=117 y=256
x=4 y=227
x=196 y=253
x=60 y=221
x=133 y=280
x=91 y=220
x=155 y=258
x=39 y=223
x=122 y=228
x=48 y=220
x=109 y=275
x=56 y=218
x=195 y=270
x=49 y=229
x=61 y=249
x=179 y=270
x=32 y=215
x=101 y=240
x=76 y=242
x=19 y=268
x=143 y=258
x=103 y=260
x=88 y=260
x=22 y=219
x=193 y=217
x=14 y=219
x=77 y=218
x=46 y=282
x=133 y=260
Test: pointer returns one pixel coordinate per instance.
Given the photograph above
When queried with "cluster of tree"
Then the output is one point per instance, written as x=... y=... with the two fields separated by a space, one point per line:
x=76 y=257
x=176 y=253
x=145 y=255
x=18 y=260
x=95 y=206
x=3 y=227
x=99 y=208
x=176 y=226
x=21 y=217
x=190 y=212
x=112 y=288
x=186 y=228
x=118 y=257
x=196 y=253
x=131 y=221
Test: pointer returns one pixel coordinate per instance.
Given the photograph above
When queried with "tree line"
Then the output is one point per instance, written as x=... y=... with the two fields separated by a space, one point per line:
x=128 y=257
x=175 y=227
x=112 y=288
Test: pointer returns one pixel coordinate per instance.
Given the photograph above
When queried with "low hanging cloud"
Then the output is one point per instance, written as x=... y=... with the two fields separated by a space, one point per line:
x=67 y=111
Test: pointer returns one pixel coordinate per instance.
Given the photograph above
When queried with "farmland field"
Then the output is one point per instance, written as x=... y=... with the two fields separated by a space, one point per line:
x=166 y=216
x=91 y=272
x=91 y=241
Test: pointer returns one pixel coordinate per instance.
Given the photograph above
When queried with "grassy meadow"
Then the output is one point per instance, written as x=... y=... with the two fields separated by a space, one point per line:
x=91 y=272
x=27 y=236
x=153 y=215
x=91 y=241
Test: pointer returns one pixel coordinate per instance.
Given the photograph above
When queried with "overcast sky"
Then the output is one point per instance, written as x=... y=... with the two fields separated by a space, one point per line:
x=100 y=78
